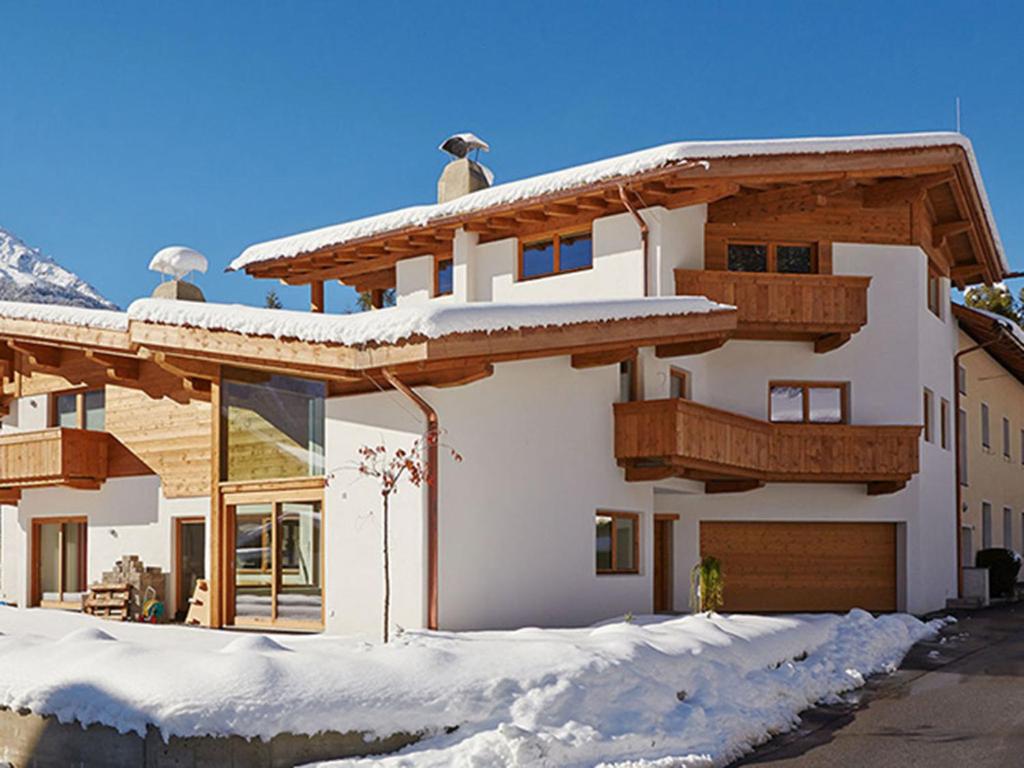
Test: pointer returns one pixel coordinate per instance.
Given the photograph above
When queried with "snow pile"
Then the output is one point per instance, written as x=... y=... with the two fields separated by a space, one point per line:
x=27 y=274
x=102 y=319
x=177 y=261
x=698 y=690
x=397 y=324
x=622 y=166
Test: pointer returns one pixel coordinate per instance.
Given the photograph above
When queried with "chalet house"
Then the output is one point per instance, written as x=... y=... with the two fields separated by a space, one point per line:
x=990 y=404
x=715 y=348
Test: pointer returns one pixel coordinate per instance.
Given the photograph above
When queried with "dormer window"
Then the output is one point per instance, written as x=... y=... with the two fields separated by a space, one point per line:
x=555 y=255
x=791 y=258
x=444 y=276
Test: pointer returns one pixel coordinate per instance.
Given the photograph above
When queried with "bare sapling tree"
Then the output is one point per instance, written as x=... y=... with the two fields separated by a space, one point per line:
x=389 y=468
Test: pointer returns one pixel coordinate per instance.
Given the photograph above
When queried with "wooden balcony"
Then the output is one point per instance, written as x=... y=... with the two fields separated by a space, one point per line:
x=76 y=458
x=656 y=439
x=825 y=309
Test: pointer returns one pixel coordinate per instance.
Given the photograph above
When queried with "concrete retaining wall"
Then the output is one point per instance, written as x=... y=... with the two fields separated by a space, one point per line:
x=33 y=741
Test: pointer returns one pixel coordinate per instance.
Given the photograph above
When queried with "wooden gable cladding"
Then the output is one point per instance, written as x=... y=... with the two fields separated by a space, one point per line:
x=855 y=196
x=656 y=439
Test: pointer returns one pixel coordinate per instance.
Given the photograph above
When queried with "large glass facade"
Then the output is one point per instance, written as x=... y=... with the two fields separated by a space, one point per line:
x=272 y=427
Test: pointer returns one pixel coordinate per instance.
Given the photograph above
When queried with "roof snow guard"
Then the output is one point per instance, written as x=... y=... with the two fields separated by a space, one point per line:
x=672 y=175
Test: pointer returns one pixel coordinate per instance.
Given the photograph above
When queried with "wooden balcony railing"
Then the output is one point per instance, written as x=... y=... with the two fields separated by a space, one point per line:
x=73 y=457
x=656 y=439
x=825 y=309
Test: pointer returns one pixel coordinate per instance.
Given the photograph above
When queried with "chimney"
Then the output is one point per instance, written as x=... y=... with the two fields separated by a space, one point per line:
x=462 y=176
x=177 y=261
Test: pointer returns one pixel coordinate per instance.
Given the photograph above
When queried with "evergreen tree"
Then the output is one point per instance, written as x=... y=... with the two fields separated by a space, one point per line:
x=996 y=298
x=272 y=301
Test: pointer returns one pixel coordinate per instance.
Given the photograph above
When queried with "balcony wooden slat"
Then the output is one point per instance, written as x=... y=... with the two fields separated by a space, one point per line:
x=55 y=456
x=712 y=444
x=783 y=306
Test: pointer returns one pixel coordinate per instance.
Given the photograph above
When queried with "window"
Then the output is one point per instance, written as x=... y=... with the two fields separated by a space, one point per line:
x=986 y=525
x=961 y=379
x=986 y=441
x=808 y=402
x=793 y=258
x=60 y=561
x=1006 y=438
x=79 y=410
x=944 y=424
x=935 y=293
x=271 y=426
x=966 y=546
x=929 y=407
x=961 y=418
x=629 y=381
x=1007 y=528
x=679 y=384
x=617 y=542
x=554 y=255
x=444 y=276
x=278 y=563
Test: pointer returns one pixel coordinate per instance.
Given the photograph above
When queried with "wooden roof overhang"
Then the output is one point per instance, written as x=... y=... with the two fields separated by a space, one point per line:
x=1000 y=341
x=180 y=361
x=926 y=196
x=451 y=360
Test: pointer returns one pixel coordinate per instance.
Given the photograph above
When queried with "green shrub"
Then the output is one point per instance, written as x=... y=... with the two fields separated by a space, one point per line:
x=707 y=585
x=1003 y=566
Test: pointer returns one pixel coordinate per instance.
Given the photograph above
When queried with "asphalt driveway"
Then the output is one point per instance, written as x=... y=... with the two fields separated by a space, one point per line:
x=957 y=701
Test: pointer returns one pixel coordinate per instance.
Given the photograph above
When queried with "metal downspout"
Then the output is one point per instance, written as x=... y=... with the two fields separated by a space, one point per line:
x=432 y=469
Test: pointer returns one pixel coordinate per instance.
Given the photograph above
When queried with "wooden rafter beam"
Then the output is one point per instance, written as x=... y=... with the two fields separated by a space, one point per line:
x=941 y=232
x=583 y=360
x=900 y=191
x=799 y=198
x=117 y=367
x=694 y=347
x=39 y=355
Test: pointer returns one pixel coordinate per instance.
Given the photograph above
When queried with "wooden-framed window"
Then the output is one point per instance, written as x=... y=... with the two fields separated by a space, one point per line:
x=444 y=276
x=617 y=542
x=555 y=254
x=986 y=438
x=935 y=293
x=81 y=409
x=679 y=384
x=752 y=256
x=58 y=575
x=929 y=416
x=1006 y=438
x=629 y=381
x=276 y=571
x=809 y=402
x=944 y=424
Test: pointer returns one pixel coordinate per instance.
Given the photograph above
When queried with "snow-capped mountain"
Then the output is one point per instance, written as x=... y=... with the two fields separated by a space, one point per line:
x=27 y=274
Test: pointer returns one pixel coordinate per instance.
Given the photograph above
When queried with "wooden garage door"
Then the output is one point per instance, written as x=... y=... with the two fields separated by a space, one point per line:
x=804 y=566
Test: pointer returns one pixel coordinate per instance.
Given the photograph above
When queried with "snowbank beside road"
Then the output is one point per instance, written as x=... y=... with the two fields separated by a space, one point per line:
x=685 y=691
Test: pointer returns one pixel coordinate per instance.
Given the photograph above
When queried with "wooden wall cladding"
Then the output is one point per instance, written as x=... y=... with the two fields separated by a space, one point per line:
x=171 y=438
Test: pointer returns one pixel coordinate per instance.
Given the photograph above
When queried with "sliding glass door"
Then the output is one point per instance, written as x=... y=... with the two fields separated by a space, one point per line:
x=59 y=557
x=277 y=563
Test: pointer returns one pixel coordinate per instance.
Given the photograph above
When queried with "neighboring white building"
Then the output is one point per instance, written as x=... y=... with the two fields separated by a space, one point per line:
x=610 y=437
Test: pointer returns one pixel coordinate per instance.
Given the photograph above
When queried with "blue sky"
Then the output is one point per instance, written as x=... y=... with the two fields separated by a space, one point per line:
x=125 y=127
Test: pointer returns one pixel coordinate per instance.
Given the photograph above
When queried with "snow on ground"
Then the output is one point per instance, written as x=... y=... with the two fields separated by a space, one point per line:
x=396 y=324
x=687 y=691
x=622 y=166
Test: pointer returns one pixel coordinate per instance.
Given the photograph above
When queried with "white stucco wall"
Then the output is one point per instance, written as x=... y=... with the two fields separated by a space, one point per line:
x=126 y=516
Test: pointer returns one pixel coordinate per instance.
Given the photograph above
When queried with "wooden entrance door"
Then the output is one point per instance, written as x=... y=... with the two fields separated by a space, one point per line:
x=189 y=560
x=663 y=563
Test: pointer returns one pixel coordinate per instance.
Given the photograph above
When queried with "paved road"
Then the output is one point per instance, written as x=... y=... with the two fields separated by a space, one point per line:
x=956 y=703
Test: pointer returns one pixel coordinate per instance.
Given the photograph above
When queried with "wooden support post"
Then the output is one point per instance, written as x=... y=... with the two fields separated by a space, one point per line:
x=377 y=298
x=316 y=296
x=218 y=569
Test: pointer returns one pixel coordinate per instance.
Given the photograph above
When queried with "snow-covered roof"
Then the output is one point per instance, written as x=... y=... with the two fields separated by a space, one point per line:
x=100 y=319
x=1016 y=332
x=397 y=324
x=603 y=170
